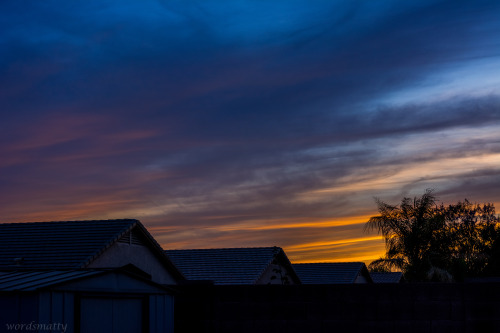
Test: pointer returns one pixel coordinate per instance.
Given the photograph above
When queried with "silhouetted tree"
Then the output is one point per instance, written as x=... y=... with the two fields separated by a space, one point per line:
x=471 y=230
x=434 y=242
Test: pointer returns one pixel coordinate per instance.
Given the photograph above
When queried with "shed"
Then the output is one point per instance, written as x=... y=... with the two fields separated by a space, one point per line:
x=333 y=273
x=84 y=244
x=235 y=266
x=88 y=300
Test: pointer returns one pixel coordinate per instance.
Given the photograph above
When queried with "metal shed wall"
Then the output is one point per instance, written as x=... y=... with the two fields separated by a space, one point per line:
x=58 y=309
x=76 y=303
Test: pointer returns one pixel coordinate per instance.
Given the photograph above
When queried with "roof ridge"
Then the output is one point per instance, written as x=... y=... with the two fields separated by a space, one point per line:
x=68 y=221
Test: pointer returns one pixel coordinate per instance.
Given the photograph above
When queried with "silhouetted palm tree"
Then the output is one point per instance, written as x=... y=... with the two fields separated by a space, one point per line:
x=409 y=231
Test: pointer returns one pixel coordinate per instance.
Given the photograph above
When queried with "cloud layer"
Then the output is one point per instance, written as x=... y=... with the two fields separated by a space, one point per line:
x=247 y=123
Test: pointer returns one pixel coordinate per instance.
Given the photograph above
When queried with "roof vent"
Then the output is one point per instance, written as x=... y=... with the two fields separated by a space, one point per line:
x=18 y=261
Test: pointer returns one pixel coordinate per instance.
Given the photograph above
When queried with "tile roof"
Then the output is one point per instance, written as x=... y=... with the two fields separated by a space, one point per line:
x=228 y=265
x=386 y=277
x=331 y=273
x=67 y=244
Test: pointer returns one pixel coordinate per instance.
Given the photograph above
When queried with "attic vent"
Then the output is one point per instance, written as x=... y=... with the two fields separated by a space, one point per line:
x=132 y=237
x=18 y=261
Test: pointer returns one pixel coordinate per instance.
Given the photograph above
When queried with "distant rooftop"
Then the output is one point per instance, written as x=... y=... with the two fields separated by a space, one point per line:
x=386 y=277
x=227 y=265
x=331 y=273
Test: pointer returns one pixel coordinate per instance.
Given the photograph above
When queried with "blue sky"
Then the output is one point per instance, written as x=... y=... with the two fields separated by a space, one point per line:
x=247 y=123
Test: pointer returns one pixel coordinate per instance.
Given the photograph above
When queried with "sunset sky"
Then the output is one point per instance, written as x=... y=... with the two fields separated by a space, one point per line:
x=247 y=123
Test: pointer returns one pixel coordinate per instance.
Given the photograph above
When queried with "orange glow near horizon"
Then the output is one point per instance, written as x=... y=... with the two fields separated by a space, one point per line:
x=320 y=241
x=304 y=240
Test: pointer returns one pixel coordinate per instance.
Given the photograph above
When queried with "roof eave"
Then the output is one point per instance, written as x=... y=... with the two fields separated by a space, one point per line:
x=109 y=244
x=161 y=253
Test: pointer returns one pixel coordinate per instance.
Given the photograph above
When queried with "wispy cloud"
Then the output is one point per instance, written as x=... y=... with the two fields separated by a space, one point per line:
x=249 y=123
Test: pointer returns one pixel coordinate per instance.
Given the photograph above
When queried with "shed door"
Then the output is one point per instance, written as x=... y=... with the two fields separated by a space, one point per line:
x=111 y=315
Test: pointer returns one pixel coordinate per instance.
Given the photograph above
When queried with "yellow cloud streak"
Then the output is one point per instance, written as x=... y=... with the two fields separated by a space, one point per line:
x=369 y=257
x=365 y=249
x=276 y=224
x=310 y=246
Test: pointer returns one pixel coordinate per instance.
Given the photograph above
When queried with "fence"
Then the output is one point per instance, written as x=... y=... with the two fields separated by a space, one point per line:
x=339 y=308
